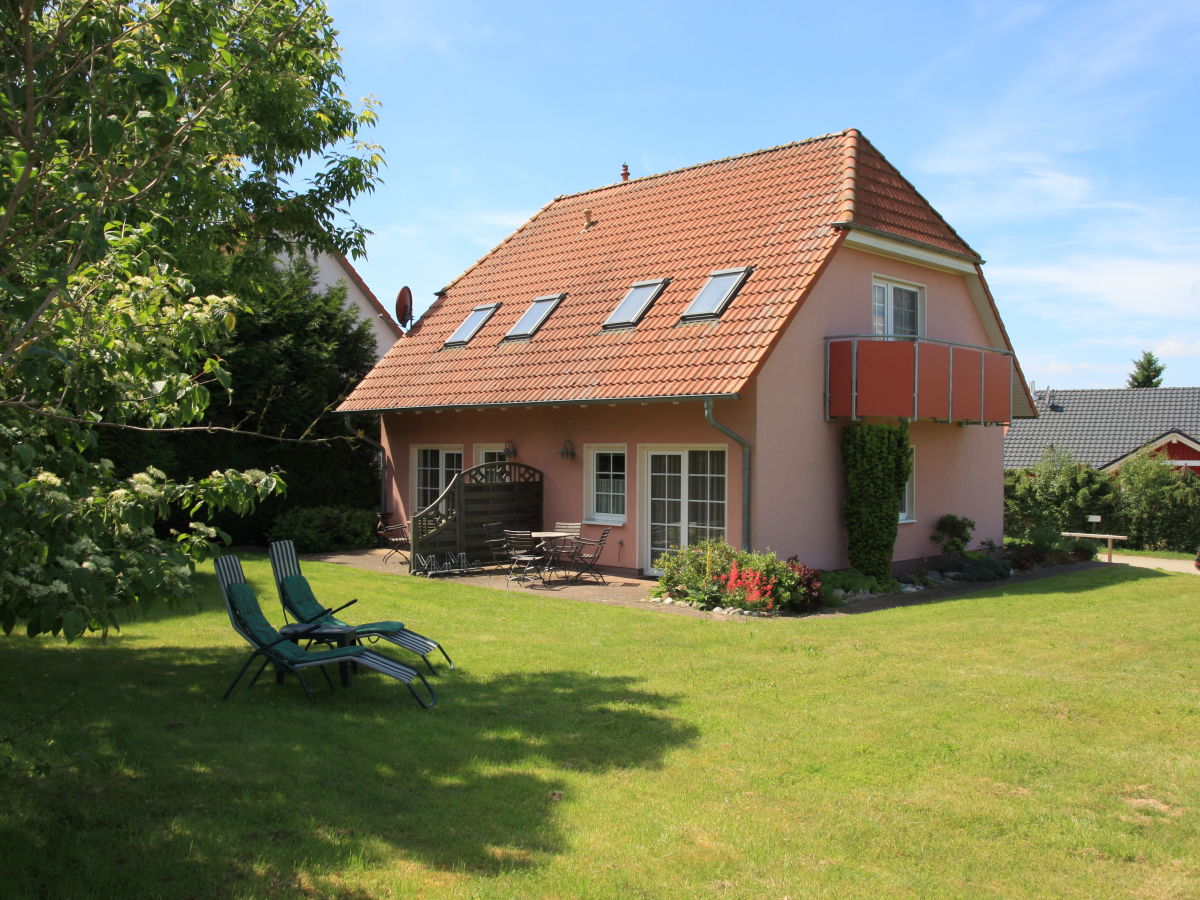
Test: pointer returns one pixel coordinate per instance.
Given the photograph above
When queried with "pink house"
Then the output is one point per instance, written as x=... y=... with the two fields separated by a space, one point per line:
x=679 y=355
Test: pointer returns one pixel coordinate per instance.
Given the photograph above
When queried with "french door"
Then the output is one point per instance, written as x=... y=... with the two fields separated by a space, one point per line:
x=436 y=468
x=685 y=493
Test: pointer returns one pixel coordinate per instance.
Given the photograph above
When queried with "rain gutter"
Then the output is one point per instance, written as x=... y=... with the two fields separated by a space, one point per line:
x=745 y=444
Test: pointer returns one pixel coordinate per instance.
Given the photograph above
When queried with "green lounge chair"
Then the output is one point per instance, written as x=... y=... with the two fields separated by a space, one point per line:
x=298 y=601
x=246 y=616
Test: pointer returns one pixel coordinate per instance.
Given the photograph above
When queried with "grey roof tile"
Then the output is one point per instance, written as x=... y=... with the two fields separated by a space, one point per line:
x=1098 y=427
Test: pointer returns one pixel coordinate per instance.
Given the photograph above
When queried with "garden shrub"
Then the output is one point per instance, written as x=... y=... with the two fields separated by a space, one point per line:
x=320 y=528
x=984 y=567
x=1058 y=493
x=952 y=533
x=876 y=460
x=1158 y=505
x=852 y=581
x=712 y=573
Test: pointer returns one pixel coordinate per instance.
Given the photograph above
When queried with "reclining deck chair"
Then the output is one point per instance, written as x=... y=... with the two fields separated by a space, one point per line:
x=298 y=601
x=248 y=621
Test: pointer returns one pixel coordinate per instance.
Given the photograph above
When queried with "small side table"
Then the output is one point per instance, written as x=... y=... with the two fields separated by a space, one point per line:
x=334 y=635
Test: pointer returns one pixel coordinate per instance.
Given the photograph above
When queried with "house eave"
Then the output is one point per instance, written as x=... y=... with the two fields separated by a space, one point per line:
x=872 y=240
x=533 y=404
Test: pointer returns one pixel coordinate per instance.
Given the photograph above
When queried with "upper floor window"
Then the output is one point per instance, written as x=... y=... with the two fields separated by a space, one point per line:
x=720 y=288
x=473 y=322
x=897 y=309
x=630 y=310
x=539 y=310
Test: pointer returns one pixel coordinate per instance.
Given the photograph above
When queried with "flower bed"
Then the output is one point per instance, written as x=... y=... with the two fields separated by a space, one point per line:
x=712 y=575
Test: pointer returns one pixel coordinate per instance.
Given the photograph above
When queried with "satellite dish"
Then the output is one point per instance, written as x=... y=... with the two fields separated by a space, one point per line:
x=404 y=314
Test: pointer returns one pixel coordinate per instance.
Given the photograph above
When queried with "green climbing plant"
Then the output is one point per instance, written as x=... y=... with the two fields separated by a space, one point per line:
x=876 y=461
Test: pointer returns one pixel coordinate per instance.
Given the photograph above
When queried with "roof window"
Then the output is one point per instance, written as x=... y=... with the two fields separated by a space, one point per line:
x=532 y=320
x=471 y=324
x=630 y=310
x=716 y=293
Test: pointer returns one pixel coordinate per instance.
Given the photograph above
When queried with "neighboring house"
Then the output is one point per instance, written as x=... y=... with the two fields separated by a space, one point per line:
x=679 y=355
x=1102 y=428
x=333 y=269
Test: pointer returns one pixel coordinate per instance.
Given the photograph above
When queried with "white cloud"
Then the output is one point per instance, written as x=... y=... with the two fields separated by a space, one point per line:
x=1132 y=287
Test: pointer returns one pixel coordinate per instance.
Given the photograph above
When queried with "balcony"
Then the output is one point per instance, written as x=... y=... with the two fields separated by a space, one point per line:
x=872 y=376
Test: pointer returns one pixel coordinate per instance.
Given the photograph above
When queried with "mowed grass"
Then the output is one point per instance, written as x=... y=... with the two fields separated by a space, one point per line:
x=1034 y=740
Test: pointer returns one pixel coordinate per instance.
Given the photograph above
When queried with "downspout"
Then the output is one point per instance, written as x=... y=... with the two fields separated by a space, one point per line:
x=745 y=445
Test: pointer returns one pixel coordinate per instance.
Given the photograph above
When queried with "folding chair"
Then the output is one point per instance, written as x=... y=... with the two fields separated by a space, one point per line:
x=587 y=555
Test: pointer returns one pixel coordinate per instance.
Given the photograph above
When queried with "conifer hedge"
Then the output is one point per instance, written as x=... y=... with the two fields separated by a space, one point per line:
x=876 y=460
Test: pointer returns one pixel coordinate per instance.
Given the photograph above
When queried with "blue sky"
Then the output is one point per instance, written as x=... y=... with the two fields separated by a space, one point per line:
x=1061 y=140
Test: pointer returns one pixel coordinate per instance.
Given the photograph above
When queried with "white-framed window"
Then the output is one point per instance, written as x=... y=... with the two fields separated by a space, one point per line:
x=486 y=453
x=897 y=308
x=435 y=468
x=606 y=476
x=908 y=501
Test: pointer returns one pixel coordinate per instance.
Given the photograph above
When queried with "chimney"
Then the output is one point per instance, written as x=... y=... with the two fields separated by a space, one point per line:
x=588 y=221
x=624 y=171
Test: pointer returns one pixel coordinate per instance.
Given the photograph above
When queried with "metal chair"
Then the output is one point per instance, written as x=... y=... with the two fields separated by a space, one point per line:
x=586 y=556
x=525 y=556
x=394 y=537
x=495 y=542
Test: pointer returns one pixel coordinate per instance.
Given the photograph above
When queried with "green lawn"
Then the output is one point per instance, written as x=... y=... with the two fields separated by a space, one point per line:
x=1040 y=740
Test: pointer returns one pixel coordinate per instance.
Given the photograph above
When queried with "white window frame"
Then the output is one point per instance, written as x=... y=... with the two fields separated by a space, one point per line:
x=478 y=450
x=590 y=516
x=414 y=451
x=908 y=502
x=889 y=313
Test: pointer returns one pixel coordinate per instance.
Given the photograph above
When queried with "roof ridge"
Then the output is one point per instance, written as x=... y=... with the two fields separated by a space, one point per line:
x=711 y=162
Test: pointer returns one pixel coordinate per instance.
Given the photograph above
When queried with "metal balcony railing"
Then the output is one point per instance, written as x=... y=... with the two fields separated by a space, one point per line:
x=916 y=378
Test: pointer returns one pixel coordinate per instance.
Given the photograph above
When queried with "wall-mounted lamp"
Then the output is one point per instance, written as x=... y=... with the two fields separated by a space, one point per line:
x=510 y=450
x=568 y=450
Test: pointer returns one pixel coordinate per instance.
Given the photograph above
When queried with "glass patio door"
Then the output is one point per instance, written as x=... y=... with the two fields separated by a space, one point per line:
x=686 y=499
x=436 y=468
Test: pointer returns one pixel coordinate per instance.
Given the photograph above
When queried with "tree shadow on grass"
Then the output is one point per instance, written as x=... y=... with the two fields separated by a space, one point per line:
x=270 y=794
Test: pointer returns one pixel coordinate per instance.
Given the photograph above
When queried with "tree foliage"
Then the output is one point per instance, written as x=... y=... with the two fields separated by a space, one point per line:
x=1058 y=493
x=140 y=141
x=1149 y=499
x=1147 y=372
x=876 y=461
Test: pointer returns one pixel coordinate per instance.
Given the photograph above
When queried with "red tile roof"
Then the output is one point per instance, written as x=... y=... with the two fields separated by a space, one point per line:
x=775 y=210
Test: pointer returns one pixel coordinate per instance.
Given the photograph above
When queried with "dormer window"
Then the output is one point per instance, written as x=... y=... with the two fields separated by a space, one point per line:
x=532 y=320
x=473 y=322
x=720 y=288
x=630 y=310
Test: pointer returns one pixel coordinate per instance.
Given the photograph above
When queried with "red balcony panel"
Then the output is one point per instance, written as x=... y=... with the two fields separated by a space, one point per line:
x=933 y=366
x=968 y=375
x=885 y=378
x=841 y=378
x=997 y=391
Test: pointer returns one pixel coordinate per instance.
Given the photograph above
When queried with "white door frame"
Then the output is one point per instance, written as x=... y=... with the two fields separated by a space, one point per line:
x=644 y=452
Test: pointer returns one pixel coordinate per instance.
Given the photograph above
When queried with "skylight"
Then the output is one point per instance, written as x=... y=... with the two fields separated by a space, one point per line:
x=473 y=322
x=532 y=320
x=716 y=293
x=630 y=310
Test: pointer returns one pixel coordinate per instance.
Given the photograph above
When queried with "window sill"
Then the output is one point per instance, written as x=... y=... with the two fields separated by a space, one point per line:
x=907 y=521
x=605 y=520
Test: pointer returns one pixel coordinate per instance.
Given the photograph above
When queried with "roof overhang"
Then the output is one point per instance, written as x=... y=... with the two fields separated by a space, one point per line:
x=585 y=401
x=871 y=240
